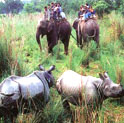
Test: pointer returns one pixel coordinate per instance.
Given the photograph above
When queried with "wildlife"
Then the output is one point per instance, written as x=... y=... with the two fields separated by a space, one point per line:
x=24 y=93
x=54 y=31
x=86 y=26
x=86 y=91
x=55 y=26
x=86 y=31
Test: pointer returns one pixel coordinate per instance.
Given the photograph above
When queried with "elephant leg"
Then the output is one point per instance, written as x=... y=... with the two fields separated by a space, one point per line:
x=77 y=39
x=97 y=41
x=66 y=43
x=85 y=40
x=51 y=45
x=96 y=38
x=80 y=41
x=50 y=48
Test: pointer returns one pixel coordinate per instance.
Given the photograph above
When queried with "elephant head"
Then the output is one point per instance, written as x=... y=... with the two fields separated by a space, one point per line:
x=75 y=26
x=44 y=27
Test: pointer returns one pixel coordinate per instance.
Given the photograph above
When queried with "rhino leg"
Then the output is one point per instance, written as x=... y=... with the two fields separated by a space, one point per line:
x=10 y=119
x=66 y=105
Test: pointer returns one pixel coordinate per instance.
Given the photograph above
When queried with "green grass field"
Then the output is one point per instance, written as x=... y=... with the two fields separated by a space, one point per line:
x=20 y=55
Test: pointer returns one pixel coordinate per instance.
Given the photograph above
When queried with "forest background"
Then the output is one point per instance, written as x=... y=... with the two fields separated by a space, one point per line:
x=20 y=54
x=69 y=6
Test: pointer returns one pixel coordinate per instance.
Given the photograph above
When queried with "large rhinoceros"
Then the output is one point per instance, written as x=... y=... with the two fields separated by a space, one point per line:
x=86 y=90
x=28 y=92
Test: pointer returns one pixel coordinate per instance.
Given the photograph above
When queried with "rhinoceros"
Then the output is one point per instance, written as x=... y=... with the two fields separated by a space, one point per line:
x=86 y=90
x=28 y=92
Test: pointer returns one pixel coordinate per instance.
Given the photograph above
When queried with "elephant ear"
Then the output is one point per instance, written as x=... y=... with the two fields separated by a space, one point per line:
x=50 y=27
x=75 y=24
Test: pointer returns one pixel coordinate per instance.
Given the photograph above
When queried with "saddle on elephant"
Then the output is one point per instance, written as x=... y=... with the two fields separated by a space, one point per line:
x=91 y=18
x=59 y=21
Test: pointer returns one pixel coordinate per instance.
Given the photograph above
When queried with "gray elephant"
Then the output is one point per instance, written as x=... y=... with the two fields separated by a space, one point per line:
x=54 y=31
x=86 y=30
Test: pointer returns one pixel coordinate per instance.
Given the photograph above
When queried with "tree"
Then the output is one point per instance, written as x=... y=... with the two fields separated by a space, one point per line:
x=29 y=8
x=34 y=5
x=101 y=7
x=12 y=6
x=120 y=6
x=2 y=8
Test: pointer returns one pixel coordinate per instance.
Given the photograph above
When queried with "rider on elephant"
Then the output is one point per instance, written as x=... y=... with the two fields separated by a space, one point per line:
x=54 y=12
x=89 y=12
x=80 y=13
x=46 y=13
x=86 y=12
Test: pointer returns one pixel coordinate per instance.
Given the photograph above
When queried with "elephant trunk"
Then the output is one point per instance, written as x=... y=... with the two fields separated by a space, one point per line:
x=38 y=40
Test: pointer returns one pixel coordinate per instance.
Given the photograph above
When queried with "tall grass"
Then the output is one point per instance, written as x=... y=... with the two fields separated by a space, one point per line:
x=20 y=54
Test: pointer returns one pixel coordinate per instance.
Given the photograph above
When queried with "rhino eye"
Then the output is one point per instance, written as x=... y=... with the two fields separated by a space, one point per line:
x=113 y=88
x=106 y=88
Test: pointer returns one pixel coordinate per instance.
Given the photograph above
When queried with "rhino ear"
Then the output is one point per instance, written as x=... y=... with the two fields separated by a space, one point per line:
x=106 y=74
x=41 y=67
x=51 y=68
x=101 y=76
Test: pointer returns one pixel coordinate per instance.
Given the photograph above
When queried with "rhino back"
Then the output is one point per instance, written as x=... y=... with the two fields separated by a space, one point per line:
x=31 y=85
x=71 y=82
x=73 y=85
x=10 y=87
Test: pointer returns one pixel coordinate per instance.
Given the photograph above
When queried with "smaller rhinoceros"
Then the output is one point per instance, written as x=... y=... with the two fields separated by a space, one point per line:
x=86 y=90
x=28 y=92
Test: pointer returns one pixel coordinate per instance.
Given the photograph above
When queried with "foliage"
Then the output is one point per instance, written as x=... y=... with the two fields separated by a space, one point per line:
x=29 y=8
x=101 y=7
x=33 y=6
x=18 y=45
x=2 y=7
x=11 y=6
x=121 y=6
